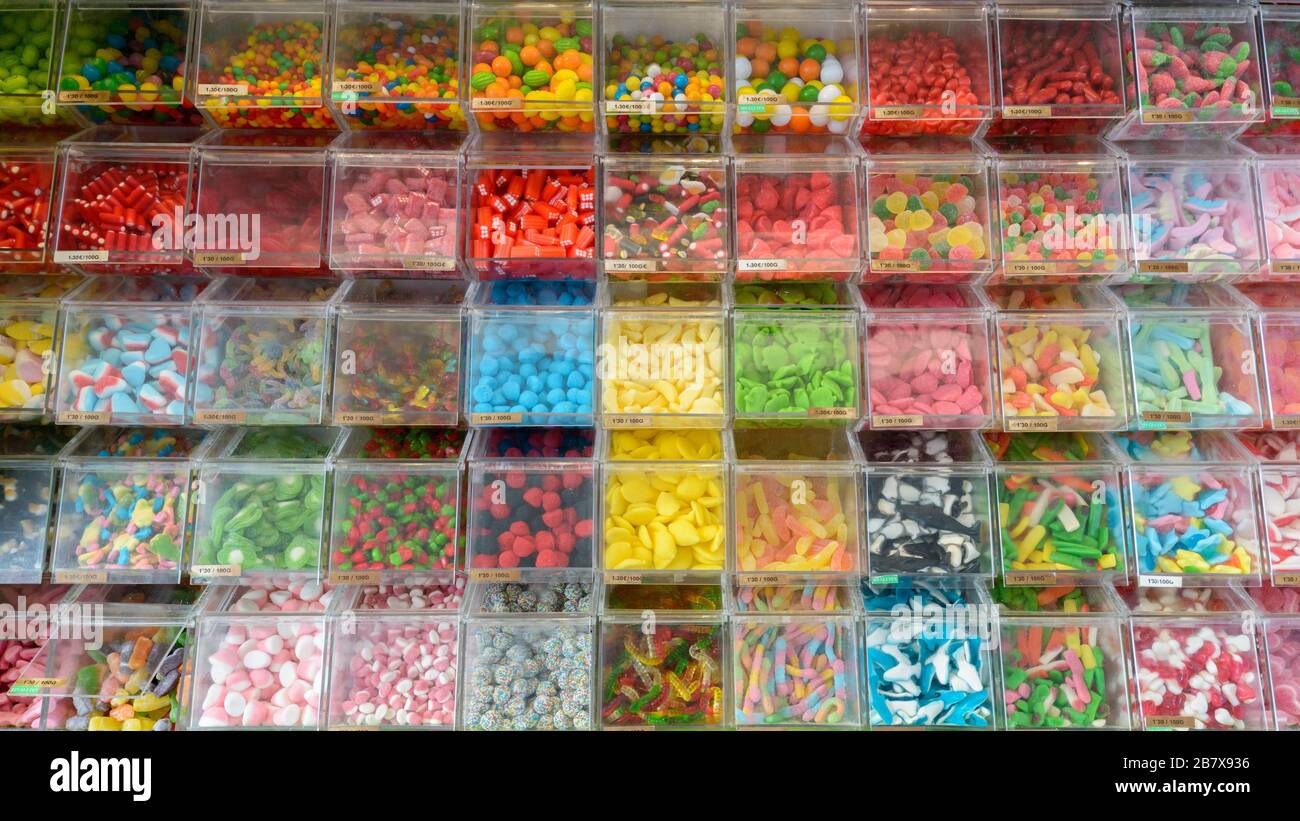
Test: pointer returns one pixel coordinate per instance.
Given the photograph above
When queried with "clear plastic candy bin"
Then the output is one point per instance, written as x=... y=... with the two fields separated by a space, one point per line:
x=125 y=61
x=531 y=504
x=929 y=360
x=798 y=68
x=666 y=217
x=531 y=354
x=1279 y=486
x=1193 y=360
x=820 y=691
x=125 y=352
x=1193 y=211
x=393 y=671
x=398 y=347
x=929 y=67
x=29 y=326
x=930 y=211
x=264 y=352
x=533 y=65
x=1279 y=198
x=664 y=506
x=124 y=203
x=664 y=75
x=28 y=465
x=795 y=501
x=262 y=198
x=1193 y=510
x=395 y=201
x=1279 y=34
x=1061 y=363
x=31 y=31
x=1060 y=509
x=263 y=503
x=28 y=158
x=1190 y=72
x=1280 y=640
x=25 y=711
x=260 y=64
x=553 y=657
x=396 y=65
x=396 y=514
x=665 y=675
x=663 y=356
x=125 y=502
x=1277 y=327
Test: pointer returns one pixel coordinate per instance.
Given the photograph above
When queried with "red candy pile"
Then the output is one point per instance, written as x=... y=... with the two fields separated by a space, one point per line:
x=528 y=215
x=925 y=68
x=808 y=221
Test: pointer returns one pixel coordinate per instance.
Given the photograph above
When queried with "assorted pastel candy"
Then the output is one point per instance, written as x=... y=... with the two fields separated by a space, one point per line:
x=926 y=222
x=681 y=80
x=810 y=88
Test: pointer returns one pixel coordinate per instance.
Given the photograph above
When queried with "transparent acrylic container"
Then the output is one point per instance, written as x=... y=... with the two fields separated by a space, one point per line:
x=1279 y=486
x=1064 y=664
x=706 y=598
x=1200 y=335
x=394 y=206
x=1193 y=211
x=1060 y=359
x=125 y=200
x=24 y=712
x=398 y=346
x=125 y=351
x=913 y=624
x=269 y=191
x=241 y=662
x=1160 y=108
x=32 y=29
x=1059 y=66
x=560 y=661
x=250 y=483
x=1061 y=212
x=1063 y=600
x=926 y=515
x=531 y=354
x=403 y=598
x=1275 y=175
x=571 y=592
x=796 y=506
x=665 y=217
x=28 y=170
x=1061 y=515
x=773 y=334
x=264 y=352
x=554 y=91
x=397 y=506
x=125 y=505
x=797 y=68
x=1230 y=666
x=664 y=507
x=797 y=216
x=663 y=355
x=28 y=466
x=824 y=690
x=941 y=44
x=663 y=75
x=1193 y=514
x=531 y=504
x=125 y=61
x=237 y=79
x=1277 y=329
x=117 y=662
x=930 y=210
x=1279 y=34
x=396 y=65
x=1280 y=620
x=29 y=325
x=530 y=215
x=929 y=359
x=687 y=688
x=835 y=596
x=392 y=671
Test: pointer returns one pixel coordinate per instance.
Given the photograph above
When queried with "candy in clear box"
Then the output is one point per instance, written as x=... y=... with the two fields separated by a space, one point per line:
x=32 y=31
x=667 y=674
x=28 y=164
x=28 y=474
x=1279 y=34
x=1279 y=203
x=29 y=326
x=1279 y=486
x=1280 y=642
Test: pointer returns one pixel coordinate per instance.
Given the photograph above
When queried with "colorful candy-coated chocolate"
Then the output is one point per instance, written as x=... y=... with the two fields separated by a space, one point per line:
x=675 y=218
x=668 y=676
x=796 y=670
x=524 y=220
x=395 y=673
x=411 y=64
x=807 y=222
x=26 y=191
x=933 y=83
x=279 y=64
x=260 y=673
x=528 y=675
x=683 y=80
x=543 y=69
x=538 y=597
x=930 y=222
x=818 y=89
x=1205 y=673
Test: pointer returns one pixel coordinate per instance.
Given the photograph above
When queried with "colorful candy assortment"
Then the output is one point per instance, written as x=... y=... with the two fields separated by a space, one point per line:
x=664 y=85
x=532 y=74
x=664 y=217
x=927 y=223
x=794 y=671
x=790 y=82
x=255 y=74
x=670 y=676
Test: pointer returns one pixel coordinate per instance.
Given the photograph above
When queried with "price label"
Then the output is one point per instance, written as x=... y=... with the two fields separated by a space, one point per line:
x=80 y=576
x=355 y=728
x=1285 y=107
x=496 y=104
x=1286 y=579
x=74 y=257
x=1031 y=577
x=746 y=579
x=891 y=579
x=33 y=686
x=896 y=420
x=83 y=417
x=897 y=112
x=1166 y=417
x=831 y=413
x=1170 y=722
x=1286 y=267
x=219 y=417
x=428 y=263
x=1027 y=112
x=1286 y=422
x=1168 y=582
x=1030 y=423
x=215 y=571
x=1030 y=266
x=83 y=95
x=1155 y=266
x=1170 y=116
x=494 y=574
x=627 y=421
x=623 y=577
x=754 y=265
x=344 y=87
x=895 y=265
x=223 y=89
x=358 y=418
x=630 y=266
x=354 y=577
x=219 y=258
x=630 y=107
x=496 y=418
x=757 y=103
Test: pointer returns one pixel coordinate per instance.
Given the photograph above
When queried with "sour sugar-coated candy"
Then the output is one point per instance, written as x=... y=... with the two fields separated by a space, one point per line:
x=394 y=672
x=793 y=671
x=789 y=81
x=532 y=73
x=681 y=80
x=1197 y=217
x=537 y=597
x=1197 y=675
x=534 y=675
x=259 y=672
x=1279 y=190
x=795 y=521
x=1060 y=216
x=928 y=224
x=665 y=677
x=808 y=597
